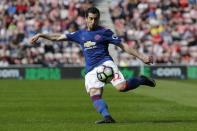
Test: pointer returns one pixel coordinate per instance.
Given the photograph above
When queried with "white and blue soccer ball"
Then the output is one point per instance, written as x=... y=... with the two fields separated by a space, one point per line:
x=105 y=73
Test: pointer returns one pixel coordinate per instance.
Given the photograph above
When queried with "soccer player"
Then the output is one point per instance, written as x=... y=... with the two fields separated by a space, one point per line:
x=94 y=41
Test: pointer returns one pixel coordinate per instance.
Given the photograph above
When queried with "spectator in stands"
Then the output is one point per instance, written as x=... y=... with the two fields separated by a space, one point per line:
x=166 y=29
x=20 y=19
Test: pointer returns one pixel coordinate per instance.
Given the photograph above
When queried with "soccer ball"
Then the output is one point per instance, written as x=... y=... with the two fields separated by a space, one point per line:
x=105 y=73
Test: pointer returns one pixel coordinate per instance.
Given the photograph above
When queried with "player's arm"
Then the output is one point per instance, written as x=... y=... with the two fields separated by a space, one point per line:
x=52 y=37
x=116 y=41
x=131 y=51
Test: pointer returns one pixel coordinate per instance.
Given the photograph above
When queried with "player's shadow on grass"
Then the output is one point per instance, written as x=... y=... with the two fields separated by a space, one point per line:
x=159 y=121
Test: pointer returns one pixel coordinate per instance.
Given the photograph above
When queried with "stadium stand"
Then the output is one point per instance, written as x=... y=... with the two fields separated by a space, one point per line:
x=21 y=19
x=165 y=29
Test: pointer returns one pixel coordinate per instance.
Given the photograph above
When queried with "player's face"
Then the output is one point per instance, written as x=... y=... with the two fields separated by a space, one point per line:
x=92 y=21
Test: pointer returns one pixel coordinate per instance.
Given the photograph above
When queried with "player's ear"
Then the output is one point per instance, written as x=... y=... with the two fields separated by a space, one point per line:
x=86 y=18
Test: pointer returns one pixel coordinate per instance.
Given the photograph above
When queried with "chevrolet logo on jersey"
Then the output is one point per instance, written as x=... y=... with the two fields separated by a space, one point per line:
x=89 y=44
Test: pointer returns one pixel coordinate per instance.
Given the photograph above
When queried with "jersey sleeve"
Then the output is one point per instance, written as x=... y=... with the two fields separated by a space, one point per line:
x=112 y=38
x=73 y=36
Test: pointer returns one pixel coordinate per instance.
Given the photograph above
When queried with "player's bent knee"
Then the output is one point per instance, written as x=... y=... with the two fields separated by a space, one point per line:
x=121 y=87
x=95 y=91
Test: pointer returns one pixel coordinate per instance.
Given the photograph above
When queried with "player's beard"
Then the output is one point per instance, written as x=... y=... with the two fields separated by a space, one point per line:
x=92 y=26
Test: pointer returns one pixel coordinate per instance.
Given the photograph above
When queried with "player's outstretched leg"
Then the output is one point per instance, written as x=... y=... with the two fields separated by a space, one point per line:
x=102 y=108
x=148 y=81
x=135 y=82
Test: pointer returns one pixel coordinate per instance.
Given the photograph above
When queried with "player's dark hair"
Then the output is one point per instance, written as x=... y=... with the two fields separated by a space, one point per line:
x=93 y=10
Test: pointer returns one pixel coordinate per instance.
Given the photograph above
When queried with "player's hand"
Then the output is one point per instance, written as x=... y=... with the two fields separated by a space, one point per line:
x=34 y=39
x=148 y=60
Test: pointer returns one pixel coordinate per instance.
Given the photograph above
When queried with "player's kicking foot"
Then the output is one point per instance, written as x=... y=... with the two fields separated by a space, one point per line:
x=107 y=119
x=148 y=81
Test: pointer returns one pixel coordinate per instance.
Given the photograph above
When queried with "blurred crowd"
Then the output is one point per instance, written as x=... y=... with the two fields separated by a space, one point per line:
x=166 y=29
x=21 y=19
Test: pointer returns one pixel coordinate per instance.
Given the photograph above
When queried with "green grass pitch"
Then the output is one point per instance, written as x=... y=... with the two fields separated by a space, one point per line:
x=63 y=105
